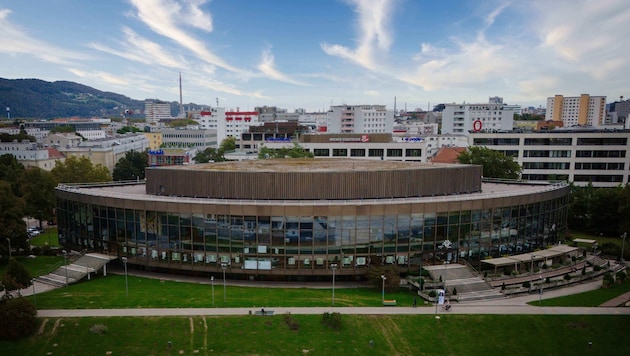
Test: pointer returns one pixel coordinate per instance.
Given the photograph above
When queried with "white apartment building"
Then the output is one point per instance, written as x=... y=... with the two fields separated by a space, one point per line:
x=155 y=110
x=30 y=155
x=360 y=119
x=575 y=155
x=226 y=123
x=583 y=110
x=189 y=138
x=463 y=118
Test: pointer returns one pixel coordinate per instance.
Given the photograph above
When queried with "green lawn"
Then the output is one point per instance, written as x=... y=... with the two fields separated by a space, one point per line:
x=587 y=299
x=109 y=292
x=48 y=238
x=37 y=266
x=392 y=335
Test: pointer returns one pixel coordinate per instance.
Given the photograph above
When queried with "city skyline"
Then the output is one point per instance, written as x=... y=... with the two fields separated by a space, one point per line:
x=314 y=54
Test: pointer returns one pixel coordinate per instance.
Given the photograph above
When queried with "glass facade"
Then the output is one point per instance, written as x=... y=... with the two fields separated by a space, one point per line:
x=402 y=232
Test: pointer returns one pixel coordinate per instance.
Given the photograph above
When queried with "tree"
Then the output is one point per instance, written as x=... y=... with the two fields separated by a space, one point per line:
x=131 y=167
x=80 y=170
x=495 y=164
x=10 y=171
x=126 y=129
x=296 y=151
x=18 y=318
x=16 y=276
x=12 y=226
x=624 y=210
x=216 y=155
x=38 y=190
x=392 y=279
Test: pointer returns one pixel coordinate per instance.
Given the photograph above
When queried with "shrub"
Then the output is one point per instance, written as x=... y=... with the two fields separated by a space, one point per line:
x=547 y=280
x=18 y=318
x=507 y=271
x=98 y=329
x=526 y=284
x=332 y=320
x=597 y=268
x=485 y=274
x=432 y=293
x=454 y=291
x=621 y=275
x=567 y=276
x=291 y=322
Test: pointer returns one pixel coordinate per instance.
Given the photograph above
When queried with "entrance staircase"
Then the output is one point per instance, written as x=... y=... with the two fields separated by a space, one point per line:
x=78 y=267
x=470 y=287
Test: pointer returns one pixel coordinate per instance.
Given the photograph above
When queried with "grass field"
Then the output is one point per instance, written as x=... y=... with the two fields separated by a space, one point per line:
x=109 y=292
x=587 y=299
x=391 y=335
x=36 y=266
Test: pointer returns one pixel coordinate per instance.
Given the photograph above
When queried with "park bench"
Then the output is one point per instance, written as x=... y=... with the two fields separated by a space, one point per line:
x=389 y=302
x=266 y=312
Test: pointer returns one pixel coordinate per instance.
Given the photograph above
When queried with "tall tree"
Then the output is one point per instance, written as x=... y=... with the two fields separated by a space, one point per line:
x=624 y=210
x=131 y=167
x=495 y=164
x=10 y=171
x=38 y=191
x=12 y=226
x=16 y=276
x=80 y=170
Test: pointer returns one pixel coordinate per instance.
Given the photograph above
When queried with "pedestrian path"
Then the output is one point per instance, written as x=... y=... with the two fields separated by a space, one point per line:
x=615 y=302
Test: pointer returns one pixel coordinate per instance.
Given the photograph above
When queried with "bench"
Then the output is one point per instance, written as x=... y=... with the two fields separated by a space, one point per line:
x=266 y=312
x=390 y=302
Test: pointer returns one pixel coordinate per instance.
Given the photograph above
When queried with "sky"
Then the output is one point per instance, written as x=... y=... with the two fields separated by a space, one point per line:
x=312 y=54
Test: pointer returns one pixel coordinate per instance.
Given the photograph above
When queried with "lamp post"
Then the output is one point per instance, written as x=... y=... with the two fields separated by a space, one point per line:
x=541 y=291
x=333 y=267
x=212 y=281
x=623 y=244
x=124 y=259
x=383 y=278
x=9 y=240
x=531 y=273
x=65 y=264
x=34 y=297
x=224 y=266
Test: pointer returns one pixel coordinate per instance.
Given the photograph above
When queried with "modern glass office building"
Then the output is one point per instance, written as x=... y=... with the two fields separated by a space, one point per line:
x=294 y=219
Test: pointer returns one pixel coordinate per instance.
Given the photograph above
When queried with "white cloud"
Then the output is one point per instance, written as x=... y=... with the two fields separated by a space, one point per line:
x=374 y=36
x=16 y=41
x=100 y=76
x=268 y=68
x=164 y=17
x=139 y=49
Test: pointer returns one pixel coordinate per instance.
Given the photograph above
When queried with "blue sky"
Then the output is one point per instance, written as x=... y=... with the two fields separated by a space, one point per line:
x=313 y=53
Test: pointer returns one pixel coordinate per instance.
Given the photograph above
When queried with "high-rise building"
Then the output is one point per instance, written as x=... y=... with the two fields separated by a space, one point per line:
x=583 y=110
x=155 y=110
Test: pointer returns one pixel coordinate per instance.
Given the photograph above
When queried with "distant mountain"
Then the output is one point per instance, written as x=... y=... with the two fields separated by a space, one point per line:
x=38 y=99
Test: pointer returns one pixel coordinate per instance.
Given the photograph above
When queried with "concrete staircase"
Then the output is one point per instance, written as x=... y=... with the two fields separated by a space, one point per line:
x=77 y=268
x=470 y=287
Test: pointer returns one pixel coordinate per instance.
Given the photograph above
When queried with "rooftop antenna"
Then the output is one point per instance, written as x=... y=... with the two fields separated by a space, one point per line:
x=181 y=103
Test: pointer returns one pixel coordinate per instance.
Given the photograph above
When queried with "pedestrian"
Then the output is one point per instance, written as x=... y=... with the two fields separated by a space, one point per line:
x=170 y=345
x=415 y=303
x=263 y=311
x=371 y=343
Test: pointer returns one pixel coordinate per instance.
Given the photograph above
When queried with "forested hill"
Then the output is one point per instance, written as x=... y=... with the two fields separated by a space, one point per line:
x=38 y=99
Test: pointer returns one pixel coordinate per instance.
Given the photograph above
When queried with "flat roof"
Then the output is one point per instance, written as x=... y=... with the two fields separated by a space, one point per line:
x=307 y=165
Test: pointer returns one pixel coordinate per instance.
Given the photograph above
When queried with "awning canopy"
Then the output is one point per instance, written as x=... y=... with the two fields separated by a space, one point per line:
x=542 y=255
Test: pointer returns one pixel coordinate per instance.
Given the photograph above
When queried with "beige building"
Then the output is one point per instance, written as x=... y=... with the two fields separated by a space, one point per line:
x=583 y=110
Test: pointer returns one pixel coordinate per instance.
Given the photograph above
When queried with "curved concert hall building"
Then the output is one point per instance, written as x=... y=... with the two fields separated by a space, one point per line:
x=294 y=219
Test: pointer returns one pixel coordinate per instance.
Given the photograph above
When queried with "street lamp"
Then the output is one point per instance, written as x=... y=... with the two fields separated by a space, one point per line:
x=224 y=266
x=8 y=239
x=541 y=291
x=65 y=264
x=531 y=273
x=333 y=267
x=124 y=259
x=34 y=297
x=623 y=244
x=212 y=281
x=384 y=278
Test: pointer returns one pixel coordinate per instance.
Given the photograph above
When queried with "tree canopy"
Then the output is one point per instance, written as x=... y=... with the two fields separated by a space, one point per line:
x=12 y=226
x=131 y=166
x=80 y=170
x=296 y=151
x=495 y=164
x=212 y=154
x=38 y=191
